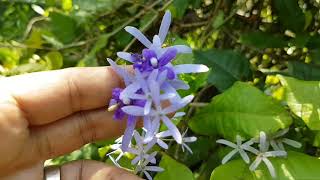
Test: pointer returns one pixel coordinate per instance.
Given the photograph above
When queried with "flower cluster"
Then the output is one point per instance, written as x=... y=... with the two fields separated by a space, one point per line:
x=262 y=153
x=151 y=96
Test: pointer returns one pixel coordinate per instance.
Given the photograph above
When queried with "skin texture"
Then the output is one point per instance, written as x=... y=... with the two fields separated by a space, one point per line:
x=47 y=114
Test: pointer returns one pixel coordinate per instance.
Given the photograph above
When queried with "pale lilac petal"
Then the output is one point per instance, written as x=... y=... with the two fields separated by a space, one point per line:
x=154 y=168
x=190 y=139
x=131 y=89
x=155 y=92
x=135 y=160
x=137 y=96
x=138 y=138
x=179 y=114
x=162 y=77
x=131 y=124
x=153 y=75
x=190 y=68
x=151 y=144
x=139 y=35
x=292 y=143
x=229 y=156
x=270 y=167
x=182 y=49
x=174 y=107
x=133 y=110
x=172 y=127
x=255 y=164
x=147 y=175
x=156 y=41
x=120 y=71
x=162 y=144
x=167 y=96
x=227 y=143
x=147 y=107
x=142 y=81
x=165 y=25
x=164 y=134
x=178 y=84
x=124 y=55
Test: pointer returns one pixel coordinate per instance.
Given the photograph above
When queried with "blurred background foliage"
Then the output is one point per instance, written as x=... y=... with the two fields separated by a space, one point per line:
x=240 y=40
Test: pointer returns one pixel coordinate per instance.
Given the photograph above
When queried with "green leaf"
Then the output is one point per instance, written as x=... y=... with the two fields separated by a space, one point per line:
x=290 y=14
x=179 y=7
x=63 y=27
x=173 y=170
x=263 y=40
x=241 y=110
x=297 y=166
x=227 y=67
x=314 y=42
x=54 y=60
x=303 y=71
x=27 y=68
x=303 y=99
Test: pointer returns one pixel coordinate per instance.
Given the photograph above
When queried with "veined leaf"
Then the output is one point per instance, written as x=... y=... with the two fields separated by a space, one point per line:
x=241 y=110
x=262 y=40
x=297 y=166
x=226 y=66
x=173 y=170
x=303 y=99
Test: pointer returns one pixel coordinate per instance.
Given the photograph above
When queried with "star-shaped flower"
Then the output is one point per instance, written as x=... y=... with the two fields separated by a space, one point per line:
x=277 y=140
x=263 y=154
x=239 y=147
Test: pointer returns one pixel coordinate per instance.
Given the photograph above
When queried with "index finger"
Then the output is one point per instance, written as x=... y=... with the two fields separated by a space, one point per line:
x=48 y=96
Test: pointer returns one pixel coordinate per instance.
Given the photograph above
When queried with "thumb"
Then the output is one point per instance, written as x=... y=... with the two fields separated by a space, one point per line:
x=94 y=170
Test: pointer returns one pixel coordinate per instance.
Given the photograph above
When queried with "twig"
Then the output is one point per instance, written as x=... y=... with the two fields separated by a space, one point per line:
x=31 y=23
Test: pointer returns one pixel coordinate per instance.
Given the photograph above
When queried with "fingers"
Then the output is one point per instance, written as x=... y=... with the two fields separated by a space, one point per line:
x=70 y=133
x=93 y=170
x=47 y=96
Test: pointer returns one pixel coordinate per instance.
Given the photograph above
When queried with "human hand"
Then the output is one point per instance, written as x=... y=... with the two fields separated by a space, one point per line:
x=47 y=114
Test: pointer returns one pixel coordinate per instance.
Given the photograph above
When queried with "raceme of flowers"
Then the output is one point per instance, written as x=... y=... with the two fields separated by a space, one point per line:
x=150 y=95
x=263 y=153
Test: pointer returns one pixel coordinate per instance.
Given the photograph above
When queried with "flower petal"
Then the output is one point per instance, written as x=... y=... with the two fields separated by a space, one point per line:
x=270 y=167
x=131 y=124
x=165 y=25
x=255 y=164
x=148 y=54
x=124 y=55
x=190 y=68
x=154 y=168
x=172 y=127
x=227 y=143
x=167 y=56
x=139 y=35
x=292 y=143
x=244 y=156
x=229 y=156
x=182 y=49
x=120 y=71
x=133 y=110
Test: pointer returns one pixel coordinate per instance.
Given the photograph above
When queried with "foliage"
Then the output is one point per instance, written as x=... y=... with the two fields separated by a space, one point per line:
x=263 y=55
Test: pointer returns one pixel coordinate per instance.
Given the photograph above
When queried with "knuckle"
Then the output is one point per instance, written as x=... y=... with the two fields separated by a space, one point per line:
x=74 y=94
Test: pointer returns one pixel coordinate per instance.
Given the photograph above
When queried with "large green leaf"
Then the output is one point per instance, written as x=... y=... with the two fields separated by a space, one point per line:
x=262 y=40
x=226 y=66
x=242 y=109
x=304 y=71
x=297 y=166
x=173 y=170
x=290 y=14
x=303 y=99
x=63 y=27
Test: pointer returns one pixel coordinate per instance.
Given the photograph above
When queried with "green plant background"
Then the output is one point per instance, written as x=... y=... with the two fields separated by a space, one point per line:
x=263 y=55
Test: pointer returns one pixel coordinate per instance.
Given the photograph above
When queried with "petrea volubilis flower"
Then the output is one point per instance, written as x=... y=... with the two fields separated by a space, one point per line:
x=150 y=95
